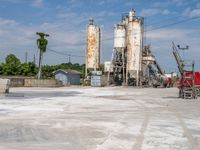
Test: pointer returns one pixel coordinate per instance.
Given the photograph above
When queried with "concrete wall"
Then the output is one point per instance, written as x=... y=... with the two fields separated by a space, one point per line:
x=41 y=83
x=4 y=86
x=15 y=81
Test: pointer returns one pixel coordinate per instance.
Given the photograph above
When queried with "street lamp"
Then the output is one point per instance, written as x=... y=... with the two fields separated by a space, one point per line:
x=183 y=49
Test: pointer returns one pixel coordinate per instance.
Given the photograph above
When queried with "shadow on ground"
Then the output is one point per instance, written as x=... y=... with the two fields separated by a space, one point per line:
x=41 y=94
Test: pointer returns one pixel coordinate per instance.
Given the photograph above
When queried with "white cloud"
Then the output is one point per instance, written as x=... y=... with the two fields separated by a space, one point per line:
x=7 y=22
x=154 y=11
x=168 y=3
x=192 y=12
x=34 y=3
x=101 y=2
x=166 y=12
x=198 y=5
x=160 y=4
x=149 y=12
x=38 y=3
x=105 y=13
x=169 y=34
x=179 y=2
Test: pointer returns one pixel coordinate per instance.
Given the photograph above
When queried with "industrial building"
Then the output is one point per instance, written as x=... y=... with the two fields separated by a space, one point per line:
x=127 y=51
x=68 y=77
x=132 y=62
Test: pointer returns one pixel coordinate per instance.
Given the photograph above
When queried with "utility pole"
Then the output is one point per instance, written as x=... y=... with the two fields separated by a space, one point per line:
x=26 y=57
x=42 y=44
x=69 y=58
x=34 y=59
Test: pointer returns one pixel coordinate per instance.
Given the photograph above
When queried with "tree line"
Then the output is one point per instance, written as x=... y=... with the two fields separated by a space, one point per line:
x=14 y=67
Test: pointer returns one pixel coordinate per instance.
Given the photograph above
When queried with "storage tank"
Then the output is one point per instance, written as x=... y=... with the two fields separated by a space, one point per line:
x=134 y=46
x=119 y=36
x=108 y=66
x=93 y=46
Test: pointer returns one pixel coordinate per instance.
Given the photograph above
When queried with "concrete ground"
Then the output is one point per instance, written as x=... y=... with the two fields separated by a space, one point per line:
x=111 y=118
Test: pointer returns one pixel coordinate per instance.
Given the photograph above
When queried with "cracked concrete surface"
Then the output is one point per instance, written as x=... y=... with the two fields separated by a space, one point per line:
x=110 y=118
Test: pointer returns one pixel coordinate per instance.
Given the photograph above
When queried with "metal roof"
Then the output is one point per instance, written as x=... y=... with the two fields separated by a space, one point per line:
x=67 y=71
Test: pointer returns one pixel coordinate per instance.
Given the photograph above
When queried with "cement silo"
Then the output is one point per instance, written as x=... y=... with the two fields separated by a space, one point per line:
x=93 y=46
x=118 y=61
x=119 y=37
x=134 y=47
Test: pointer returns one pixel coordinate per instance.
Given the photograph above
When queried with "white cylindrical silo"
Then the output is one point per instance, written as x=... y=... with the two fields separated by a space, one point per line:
x=119 y=37
x=134 y=46
x=93 y=46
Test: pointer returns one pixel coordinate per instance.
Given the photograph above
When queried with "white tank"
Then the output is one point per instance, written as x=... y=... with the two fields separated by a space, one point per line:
x=108 y=66
x=134 y=45
x=93 y=46
x=119 y=36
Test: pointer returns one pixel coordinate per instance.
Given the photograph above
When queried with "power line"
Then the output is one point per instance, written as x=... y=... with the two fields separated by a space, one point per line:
x=171 y=24
x=111 y=38
x=160 y=27
x=162 y=20
x=69 y=44
x=61 y=53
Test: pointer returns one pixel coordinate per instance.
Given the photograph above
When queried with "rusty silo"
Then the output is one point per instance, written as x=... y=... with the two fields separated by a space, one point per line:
x=93 y=46
x=134 y=47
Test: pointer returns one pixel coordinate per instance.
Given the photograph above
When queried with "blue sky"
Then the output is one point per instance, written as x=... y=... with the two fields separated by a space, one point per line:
x=66 y=21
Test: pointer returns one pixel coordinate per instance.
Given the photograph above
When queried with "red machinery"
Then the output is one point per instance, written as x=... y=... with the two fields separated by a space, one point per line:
x=189 y=84
x=188 y=79
x=170 y=82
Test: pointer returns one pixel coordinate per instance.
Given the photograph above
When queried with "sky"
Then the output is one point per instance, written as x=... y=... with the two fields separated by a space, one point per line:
x=66 y=22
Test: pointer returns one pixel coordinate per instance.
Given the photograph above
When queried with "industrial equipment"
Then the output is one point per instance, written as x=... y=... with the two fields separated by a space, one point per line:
x=189 y=84
x=152 y=72
x=134 y=48
x=93 y=47
x=127 y=53
x=132 y=63
x=118 y=62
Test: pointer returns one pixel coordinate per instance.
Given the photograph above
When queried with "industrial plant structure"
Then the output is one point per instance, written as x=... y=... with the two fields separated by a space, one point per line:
x=118 y=57
x=134 y=47
x=93 y=47
x=133 y=63
x=189 y=83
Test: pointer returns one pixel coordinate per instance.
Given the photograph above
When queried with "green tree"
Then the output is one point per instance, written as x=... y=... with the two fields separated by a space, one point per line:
x=11 y=66
x=28 y=69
